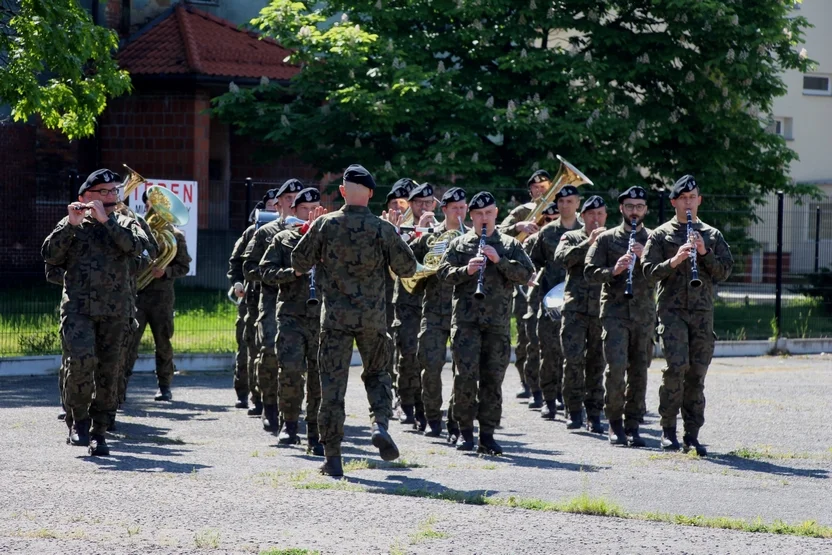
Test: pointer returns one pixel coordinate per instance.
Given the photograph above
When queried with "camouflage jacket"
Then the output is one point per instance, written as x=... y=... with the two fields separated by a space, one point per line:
x=178 y=267
x=542 y=253
x=54 y=274
x=252 y=256
x=235 y=268
x=438 y=294
x=352 y=250
x=600 y=262
x=578 y=295
x=514 y=268
x=518 y=214
x=532 y=291
x=98 y=259
x=276 y=270
x=675 y=292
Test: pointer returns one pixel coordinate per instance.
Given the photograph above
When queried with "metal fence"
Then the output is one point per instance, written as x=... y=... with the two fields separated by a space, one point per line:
x=779 y=250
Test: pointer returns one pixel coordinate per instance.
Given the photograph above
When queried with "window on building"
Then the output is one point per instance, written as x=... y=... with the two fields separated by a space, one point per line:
x=783 y=127
x=825 y=221
x=816 y=84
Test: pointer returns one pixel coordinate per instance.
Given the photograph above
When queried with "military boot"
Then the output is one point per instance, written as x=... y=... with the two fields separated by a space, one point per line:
x=384 y=443
x=98 y=446
x=594 y=425
x=332 y=467
x=617 y=435
x=314 y=446
x=575 y=421
x=80 y=433
x=537 y=400
x=257 y=409
x=62 y=414
x=669 y=441
x=634 y=439
x=407 y=416
x=691 y=441
x=435 y=428
x=289 y=435
x=270 y=419
x=164 y=394
x=242 y=402
x=465 y=441
x=488 y=446
x=421 y=420
x=453 y=432
x=111 y=427
x=549 y=411
x=524 y=393
x=559 y=401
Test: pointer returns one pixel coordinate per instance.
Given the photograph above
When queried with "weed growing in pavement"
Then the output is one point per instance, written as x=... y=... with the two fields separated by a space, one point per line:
x=133 y=529
x=766 y=452
x=340 y=485
x=809 y=528
x=290 y=551
x=207 y=538
x=426 y=531
x=397 y=549
x=583 y=504
x=256 y=453
x=358 y=464
x=464 y=497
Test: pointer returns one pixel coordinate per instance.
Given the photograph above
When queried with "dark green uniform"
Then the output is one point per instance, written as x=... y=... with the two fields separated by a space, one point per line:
x=481 y=329
x=627 y=325
x=55 y=275
x=408 y=312
x=352 y=250
x=245 y=381
x=686 y=318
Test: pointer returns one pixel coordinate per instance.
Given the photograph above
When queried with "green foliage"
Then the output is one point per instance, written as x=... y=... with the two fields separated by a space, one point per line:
x=819 y=286
x=55 y=63
x=44 y=343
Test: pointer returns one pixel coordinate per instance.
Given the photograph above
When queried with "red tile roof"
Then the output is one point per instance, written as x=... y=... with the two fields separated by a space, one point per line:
x=191 y=41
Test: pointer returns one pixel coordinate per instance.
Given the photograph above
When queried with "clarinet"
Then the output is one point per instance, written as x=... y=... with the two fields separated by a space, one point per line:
x=313 y=299
x=480 y=292
x=628 y=292
x=694 y=267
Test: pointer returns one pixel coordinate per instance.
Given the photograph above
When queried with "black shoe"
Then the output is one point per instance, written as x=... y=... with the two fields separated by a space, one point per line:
x=270 y=419
x=332 y=467
x=488 y=446
x=634 y=439
x=435 y=428
x=407 y=416
x=111 y=427
x=421 y=420
x=384 y=443
x=80 y=433
x=690 y=441
x=559 y=401
x=617 y=435
x=575 y=420
x=549 y=411
x=164 y=394
x=453 y=433
x=669 y=441
x=257 y=409
x=98 y=446
x=62 y=415
x=242 y=402
x=314 y=446
x=537 y=400
x=465 y=442
x=524 y=393
x=289 y=435
x=594 y=425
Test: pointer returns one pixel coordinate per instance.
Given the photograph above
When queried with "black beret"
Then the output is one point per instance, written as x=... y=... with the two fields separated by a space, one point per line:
x=567 y=191
x=684 y=185
x=634 y=192
x=454 y=194
x=406 y=183
x=425 y=190
x=99 y=176
x=270 y=195
x=291 y=186
x=483 y=199
x=551 y=210
x=538 y=177
x=310 y=194
x=593 y=202
x=358 y=174
x=398 y=192
x=259 y=206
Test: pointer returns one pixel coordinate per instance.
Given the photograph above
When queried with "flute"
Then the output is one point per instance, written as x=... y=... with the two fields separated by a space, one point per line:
x=480 y=292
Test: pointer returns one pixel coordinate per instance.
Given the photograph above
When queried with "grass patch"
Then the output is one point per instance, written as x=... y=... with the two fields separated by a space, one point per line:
x=809 y=528
x=765 y=452
x=426 y=531
x=338 y=485
x=133 y=529
x=290 y=551
x=207 y=538
x=464 y=497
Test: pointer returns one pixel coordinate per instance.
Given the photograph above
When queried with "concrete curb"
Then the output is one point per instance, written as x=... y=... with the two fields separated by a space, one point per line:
x=222 y=362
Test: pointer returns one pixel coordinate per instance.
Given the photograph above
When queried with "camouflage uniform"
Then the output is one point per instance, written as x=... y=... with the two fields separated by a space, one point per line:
x=542 y=254
x=627 y=325
x=154 y=306
x=55 y=275
x=266 y=365
x=352 y=250
x=686 y=318
x=298 y=330
x=95 y=306
x=389 y=289
x=480 y=329
x=580 y=332
x=408 y=310
x=245 y=381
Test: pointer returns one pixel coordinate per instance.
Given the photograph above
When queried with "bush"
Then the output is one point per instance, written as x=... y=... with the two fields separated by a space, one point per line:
x=45 y=343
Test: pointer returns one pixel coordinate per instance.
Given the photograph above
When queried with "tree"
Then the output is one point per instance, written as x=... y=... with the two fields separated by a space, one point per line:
x=55 y=63
x=483 y=92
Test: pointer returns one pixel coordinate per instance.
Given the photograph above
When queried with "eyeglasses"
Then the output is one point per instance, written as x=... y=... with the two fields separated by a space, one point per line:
x=549 y=219
x=635 y=207
x=105 y=192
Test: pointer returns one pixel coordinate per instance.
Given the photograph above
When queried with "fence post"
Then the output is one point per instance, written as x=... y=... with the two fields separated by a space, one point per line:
x=72 y=184
x=817 y=240
x=661 y=206
x=778 y=299
x=248 y=202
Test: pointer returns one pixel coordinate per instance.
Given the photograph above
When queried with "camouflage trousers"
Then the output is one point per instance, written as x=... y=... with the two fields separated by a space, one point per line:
x=90 y=384
x=583 y=377
x=521 y=350
x=551 y=357
x=433 y=344
x=409 y=385
x=126 y=363
x=252 y=348
x=241 y=358
x=481 y=357
x=266 y=365
x=297 y=350
x=155 y=308
x=688 y=345
x=531 y=370
x=627 y=348
x=334 y=355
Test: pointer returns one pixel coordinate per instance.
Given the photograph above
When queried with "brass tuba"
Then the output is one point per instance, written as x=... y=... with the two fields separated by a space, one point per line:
x=567 y=175
x=132 y=180
x=437 y=244
x=166 y=210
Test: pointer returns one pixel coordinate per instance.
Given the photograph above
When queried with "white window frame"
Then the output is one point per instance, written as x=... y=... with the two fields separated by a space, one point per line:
x=816 y=92
x=786 y=127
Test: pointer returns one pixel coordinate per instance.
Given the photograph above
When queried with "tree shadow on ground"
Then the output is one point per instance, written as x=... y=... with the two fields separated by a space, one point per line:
x=29 y=391
x=754 y=465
